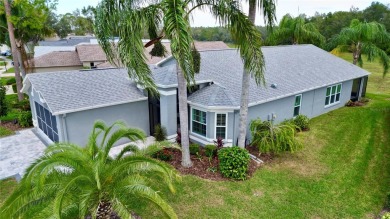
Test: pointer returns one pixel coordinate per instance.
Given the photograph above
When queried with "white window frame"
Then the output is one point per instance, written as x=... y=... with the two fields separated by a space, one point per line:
x=330 y=95
x=300 y=105
x=221 y=126
x=203 y=136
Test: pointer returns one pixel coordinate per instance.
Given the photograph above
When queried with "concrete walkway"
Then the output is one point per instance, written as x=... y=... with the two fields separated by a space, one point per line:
x=18 y=151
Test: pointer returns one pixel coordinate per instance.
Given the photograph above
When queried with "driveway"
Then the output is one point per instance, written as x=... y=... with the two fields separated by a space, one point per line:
x=18 y=151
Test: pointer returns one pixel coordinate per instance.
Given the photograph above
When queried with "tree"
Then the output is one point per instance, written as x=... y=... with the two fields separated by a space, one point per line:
x=363 y=38
x=296 y=31
x=172 y=17
x=70 y=181
x=63 y=26
x=11 y=34
x=268 y=9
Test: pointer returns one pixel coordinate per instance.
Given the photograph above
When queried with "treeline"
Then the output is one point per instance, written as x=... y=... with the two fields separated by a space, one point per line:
x=328 y=24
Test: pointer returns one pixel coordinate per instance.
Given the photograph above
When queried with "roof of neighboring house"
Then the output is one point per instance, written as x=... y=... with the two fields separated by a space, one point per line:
x=42 y=50
x=58 y=59
x=73 y=91
x=294 y=69
x=200 y=46
x=91 y=53
x=72 y=41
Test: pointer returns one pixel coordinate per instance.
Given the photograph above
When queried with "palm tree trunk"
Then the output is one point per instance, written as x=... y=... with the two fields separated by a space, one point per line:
x=104 y=210
x=243 y=109
x=242 y=126
x=356 y=53
x=14 y=49
x=183 y=114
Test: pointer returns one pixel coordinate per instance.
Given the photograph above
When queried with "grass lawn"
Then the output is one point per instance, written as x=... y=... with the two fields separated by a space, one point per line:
x=6 y=188
x=342 y=172
x=10 y=70
x=3 y=80
x=5 y=132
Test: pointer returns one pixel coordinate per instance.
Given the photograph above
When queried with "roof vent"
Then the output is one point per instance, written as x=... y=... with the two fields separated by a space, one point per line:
x=274 y=86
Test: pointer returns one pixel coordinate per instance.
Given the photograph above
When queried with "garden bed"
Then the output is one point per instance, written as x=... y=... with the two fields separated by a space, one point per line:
x=206 y=168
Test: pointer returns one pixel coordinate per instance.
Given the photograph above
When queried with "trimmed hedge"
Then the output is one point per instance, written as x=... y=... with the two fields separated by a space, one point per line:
x=25 y=119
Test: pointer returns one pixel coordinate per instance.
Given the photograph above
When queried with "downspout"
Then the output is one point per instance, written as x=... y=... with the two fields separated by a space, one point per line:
x=64 y=128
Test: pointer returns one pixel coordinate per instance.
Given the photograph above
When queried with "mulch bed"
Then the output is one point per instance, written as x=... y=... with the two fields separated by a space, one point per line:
x=11 y=126
x=202 y=167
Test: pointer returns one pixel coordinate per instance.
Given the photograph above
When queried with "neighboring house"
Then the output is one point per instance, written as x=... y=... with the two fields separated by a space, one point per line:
x=71 y=41
x=300 y=79
x=56 y=61
x=91 y=55
x=4 y=48
x=43 y=50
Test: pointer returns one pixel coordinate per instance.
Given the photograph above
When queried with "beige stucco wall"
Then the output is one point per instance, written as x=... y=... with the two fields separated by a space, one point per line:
x=54 y=69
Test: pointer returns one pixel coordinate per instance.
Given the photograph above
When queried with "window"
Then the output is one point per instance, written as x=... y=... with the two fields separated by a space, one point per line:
x=199 y=122
x=46 y=122
x=220 y=125
x=333 y=94
x=297 y=104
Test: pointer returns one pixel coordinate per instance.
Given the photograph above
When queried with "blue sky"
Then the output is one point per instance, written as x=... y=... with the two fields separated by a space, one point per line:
x=309 y=7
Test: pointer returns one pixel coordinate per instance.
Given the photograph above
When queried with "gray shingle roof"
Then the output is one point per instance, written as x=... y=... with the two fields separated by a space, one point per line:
x=73 y=91
x=295 y=69
x=213 y=95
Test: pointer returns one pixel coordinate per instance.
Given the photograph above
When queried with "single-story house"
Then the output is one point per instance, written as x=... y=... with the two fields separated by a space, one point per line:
x=91 y=55
x=300 y=79
x=56 y=61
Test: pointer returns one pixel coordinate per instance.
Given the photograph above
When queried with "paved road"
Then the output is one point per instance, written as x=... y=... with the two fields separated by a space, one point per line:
x=18 y=151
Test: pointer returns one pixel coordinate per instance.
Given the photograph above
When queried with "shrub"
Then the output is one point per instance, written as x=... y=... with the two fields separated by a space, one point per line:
x=219 y=142
x=386 y=215
x=11 y=81
x=210 y=150
x=25 y=119
x=160 y=133
x=14 y=88
x=233 y=162
x=164 y=155
x=23 y=105
x=194 y=149
x=3 y=102
x=274 y=138
x=302 y=122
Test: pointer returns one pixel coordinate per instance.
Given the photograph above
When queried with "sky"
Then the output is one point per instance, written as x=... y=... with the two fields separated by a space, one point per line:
x=293 y=7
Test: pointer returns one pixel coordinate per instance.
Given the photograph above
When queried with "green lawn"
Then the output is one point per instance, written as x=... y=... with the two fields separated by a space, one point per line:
x=342 y=172
x=5 y=132
x=6 y=188
x=10 y=70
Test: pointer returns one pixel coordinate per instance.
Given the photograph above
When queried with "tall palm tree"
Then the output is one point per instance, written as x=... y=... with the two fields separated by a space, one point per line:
x=128 y=19
x=362 y=38
x=69 y=181
x=296 y=31
x=268 y=10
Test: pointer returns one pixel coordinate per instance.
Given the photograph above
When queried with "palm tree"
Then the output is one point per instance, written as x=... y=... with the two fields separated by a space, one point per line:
x=69 y=181
x=296 y=31
x=268 y=9
x=128 y=19
x=362 y=38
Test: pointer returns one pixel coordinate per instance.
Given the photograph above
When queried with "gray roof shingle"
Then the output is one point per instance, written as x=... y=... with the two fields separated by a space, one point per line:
x=295 y=69
x=73 y=91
